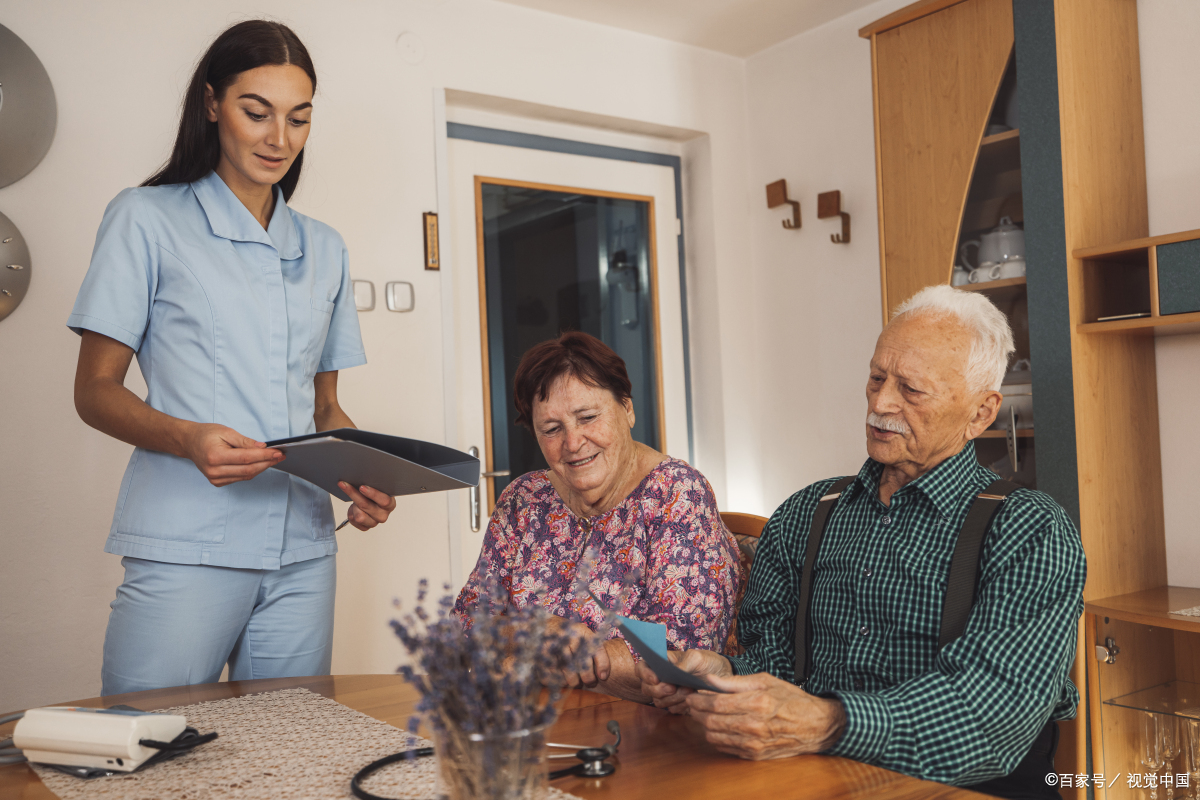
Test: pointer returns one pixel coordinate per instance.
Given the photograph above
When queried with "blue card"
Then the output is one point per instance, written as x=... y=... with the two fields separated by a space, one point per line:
x=656 y=659
x=649 y=640
x=653 y=634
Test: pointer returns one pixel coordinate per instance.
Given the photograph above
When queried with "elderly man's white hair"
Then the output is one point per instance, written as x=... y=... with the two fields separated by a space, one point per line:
x=993 y=339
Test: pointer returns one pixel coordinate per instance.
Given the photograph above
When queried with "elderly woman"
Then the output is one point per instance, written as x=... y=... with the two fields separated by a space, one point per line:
x=631 y=506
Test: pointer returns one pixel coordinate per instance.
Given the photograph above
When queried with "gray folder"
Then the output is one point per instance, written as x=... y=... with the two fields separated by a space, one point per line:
x=388 y=463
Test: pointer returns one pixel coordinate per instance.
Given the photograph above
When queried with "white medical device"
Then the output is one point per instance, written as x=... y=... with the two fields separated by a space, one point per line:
x=103 y=738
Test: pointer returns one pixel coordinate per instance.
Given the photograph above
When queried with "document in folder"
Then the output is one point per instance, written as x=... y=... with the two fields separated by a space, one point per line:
x=388 y=463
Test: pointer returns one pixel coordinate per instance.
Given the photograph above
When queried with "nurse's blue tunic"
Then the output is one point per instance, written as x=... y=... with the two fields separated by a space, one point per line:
x=230 y=324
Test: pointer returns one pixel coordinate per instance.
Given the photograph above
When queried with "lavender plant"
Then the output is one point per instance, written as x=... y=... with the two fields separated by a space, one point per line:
x=490 y=691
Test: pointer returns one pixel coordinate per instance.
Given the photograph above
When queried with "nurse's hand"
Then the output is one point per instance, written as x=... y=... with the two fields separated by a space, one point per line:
x=225 y=456
x=370 y=508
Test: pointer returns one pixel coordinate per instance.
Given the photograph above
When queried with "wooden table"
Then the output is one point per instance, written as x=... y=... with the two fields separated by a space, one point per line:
x=661 y=755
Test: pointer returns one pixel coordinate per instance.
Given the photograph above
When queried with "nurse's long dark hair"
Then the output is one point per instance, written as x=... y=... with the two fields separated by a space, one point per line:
x=245 y=46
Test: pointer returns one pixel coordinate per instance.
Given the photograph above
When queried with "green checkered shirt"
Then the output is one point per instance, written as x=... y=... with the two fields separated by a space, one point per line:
x=965 y=714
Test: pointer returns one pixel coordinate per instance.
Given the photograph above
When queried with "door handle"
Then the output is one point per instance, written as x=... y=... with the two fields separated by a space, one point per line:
x=474 y=496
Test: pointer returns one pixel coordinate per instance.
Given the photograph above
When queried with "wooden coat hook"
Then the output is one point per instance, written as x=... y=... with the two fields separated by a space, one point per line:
x=777 y=196
x=829 y=204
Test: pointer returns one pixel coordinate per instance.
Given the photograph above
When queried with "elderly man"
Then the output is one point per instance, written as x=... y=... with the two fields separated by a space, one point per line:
x=955 y=680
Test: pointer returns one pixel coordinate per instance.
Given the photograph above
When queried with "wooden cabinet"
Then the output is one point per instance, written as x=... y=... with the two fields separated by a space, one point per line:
x=935 y=79
x=1151 y=667
x=1082 y=188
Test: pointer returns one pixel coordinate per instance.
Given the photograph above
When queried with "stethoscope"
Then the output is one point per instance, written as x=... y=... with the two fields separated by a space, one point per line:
x=594 y=759
x=593 y=762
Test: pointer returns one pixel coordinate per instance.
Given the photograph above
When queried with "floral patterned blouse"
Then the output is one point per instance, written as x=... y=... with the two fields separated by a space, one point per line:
x=668 y=528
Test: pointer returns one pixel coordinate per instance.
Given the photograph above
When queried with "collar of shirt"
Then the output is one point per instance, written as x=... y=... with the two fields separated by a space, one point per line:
x=230 y=219
x=943 y=484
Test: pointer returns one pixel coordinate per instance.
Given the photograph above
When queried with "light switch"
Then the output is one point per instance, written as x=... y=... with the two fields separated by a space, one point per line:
x=400 y=296
x=364 y=295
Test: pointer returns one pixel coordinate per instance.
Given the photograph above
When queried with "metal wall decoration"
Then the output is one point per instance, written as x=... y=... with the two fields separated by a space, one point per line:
x=829 y=204
x=28 y=112
x=777 y=196
x=14 y=267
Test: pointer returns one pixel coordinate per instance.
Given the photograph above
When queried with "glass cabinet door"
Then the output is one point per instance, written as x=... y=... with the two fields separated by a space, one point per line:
x=557 y=261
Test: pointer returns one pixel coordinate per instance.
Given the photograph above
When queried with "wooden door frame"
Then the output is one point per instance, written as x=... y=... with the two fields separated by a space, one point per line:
x=656 y=334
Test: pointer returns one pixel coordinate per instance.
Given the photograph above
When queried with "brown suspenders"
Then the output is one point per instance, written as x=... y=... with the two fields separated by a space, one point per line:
x=960 y=587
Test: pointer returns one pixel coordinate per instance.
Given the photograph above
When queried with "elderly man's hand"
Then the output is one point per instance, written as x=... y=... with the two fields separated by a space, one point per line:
x=697 y=662
x=765 y=717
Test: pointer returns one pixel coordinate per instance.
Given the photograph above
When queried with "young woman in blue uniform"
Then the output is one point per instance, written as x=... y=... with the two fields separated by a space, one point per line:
x=240 y=313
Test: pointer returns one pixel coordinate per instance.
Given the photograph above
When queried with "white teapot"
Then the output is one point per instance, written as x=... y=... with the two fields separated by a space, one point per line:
x=996 y=246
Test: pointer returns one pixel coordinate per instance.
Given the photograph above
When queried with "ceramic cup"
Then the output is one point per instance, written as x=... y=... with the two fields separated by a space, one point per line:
x=1013 y=267
x=960 y=276
x=987 y=271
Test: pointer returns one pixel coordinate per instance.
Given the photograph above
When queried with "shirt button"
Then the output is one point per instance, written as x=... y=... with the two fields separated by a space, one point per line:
x=887 y=520
x=858 y=686
x=867 y=572
x=864 y=630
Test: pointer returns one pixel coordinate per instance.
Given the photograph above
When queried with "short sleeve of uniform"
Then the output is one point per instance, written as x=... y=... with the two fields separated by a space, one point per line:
x=343 y=345
x=120 y=283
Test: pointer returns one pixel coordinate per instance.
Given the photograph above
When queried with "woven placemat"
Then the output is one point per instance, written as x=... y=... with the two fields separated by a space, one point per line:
x=282 y=745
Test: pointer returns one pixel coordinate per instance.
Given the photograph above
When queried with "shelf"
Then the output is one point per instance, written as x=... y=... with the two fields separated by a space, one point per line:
x=996 y=138
x=1120 y=249
x=1151 y=607
x=1000 y=292
x=1142 y=324
x=991 y=286
x=1124 y=277
x=1178 y=698
x=1022 y=433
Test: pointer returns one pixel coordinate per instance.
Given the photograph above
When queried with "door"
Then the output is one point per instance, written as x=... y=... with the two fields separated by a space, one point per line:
x=544 y=242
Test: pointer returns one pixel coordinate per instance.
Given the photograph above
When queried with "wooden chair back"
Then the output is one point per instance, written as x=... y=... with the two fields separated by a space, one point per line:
x=746 y=529
x=743 y=524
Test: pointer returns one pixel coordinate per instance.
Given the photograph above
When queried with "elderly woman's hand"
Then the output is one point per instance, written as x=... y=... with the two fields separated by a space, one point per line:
x=599 y=666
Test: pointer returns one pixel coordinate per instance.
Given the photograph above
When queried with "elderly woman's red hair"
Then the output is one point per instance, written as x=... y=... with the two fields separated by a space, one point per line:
x=575 y=354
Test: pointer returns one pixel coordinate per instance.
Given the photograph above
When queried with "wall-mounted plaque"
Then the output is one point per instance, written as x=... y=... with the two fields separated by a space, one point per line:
x=432 y=258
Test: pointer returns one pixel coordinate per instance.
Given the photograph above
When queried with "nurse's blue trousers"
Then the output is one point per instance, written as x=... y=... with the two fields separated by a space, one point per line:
x=178 y=624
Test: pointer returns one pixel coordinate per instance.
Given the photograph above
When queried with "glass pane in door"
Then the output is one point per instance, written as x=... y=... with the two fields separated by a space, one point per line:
x=557 y=261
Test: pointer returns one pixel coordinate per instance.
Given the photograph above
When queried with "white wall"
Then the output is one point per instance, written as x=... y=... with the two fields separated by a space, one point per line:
x=817 y=304
x=1171 y=111
x=118 y=68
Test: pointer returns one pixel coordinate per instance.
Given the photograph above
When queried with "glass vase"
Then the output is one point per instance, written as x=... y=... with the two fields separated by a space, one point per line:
x=498 y=766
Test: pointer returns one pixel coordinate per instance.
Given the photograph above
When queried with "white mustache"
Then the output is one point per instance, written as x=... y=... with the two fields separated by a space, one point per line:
x=893 y=424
